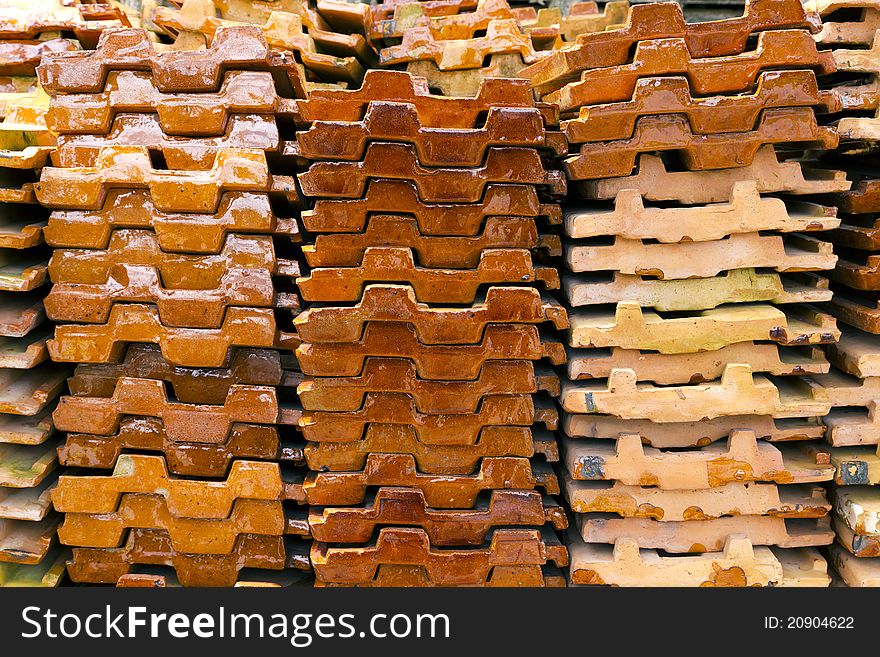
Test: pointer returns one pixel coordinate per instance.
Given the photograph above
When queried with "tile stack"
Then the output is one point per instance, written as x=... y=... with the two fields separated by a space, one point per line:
x=164 y=211
x=29 y=552
x=427 y=341
x=294 y=27
x=693 y=294
x=455 y=45
x=851 y=34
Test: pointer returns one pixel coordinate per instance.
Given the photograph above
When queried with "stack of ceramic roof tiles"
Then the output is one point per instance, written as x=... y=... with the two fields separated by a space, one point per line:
x=29 y=553
x=426 y=346
x=163 y=223
x=693 y=298
x=294 y=26
x=851 y=32
x=454 y=45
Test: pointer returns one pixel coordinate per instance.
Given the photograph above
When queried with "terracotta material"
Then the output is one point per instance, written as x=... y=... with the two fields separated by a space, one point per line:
x=504 y=202
x=26 y=542
x=438 y=362
x=184 y=498
x=433 y=429
x=624 y=564
x=705 y=115
x=734 y=499
x=856 y=353
x=741 y=459
x=25 y=352
x=106 y=343
x=28 y=504
x=171 y=190
x=670 y=435
x=736 y=286
x=851 y=31
x=433 y=110
x=716 y=186
x=241 y=93
x=656 y=21
x=460 y=25
x=629 y=327
x=26 y=466
x=347 y=249
x=258 y=367
x=239 y=47
x=192 y=535
x=706 y=76
x=20 y=313
x=399 y=375
x=393 y=264
x=853 y=425
x=703 y=259
x=855 y=466
x=154 y=547
x=31 y=20
x=582 y=18
x=23 y=57
x=406 y=546
x=237 y=212
x=697 y=536
x=858 y=309
x=247 y=131
x=199 y=459
x=671 y=369
x=395 y=8
x=863 y=546
x=503 y=126
x=432 y=459
x=400 y=162
x=26 y=430
x=404 y=506
x=48 y=573
x=501 y=36
x=859 y=507
x=738 y=392
x=441 y=491
x=28 y=392
x=21 y=272
x=855 y=571
x=183 y=422
x=467 y=82
x=787 y=125
x=17 y=232
x=397 y=303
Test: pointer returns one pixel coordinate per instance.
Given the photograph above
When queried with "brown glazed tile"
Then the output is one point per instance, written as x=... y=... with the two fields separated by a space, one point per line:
x=197 y=459
x=662 y=21
x=399 y=197
x=234 y=48
x=186 y=114
x=858 y=308
x=789 y=126
x=435 y=185
x=741 y=459
x=433 y=110
x=863 y=198
x=127 y=323
x=857 y=275
x=706 y=76
x=154 y=547
x=84 y=22
x=503 y=126
x=405 y=506
x=183 y=498
x=187 y=190
x=467 y=82
x=501 y=36
x=432 y=459
x=455 y=25
x=671 y=435
x=22 y=57
x=259 y=367
x=672 y=369
x=183 y=422
x=388 y=230
x=514 y=377
x=437 y=362
x=403 y=546
x=442 y=491
x=716 y=186
x=237 y=212
x=392 y=264
x=549 y=23
x=433 y=429
x=397 y=303
x=705 y=115
x=193 y=535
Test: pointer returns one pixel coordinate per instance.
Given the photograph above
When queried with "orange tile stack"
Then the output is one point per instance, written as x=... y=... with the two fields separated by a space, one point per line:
x=166 y=284
x=427 y=343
